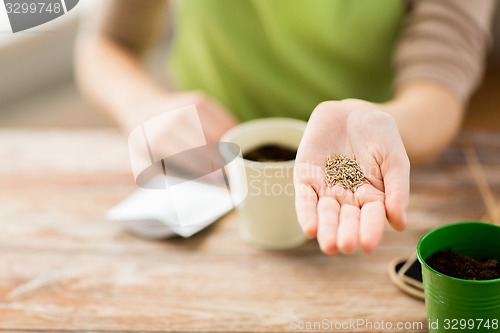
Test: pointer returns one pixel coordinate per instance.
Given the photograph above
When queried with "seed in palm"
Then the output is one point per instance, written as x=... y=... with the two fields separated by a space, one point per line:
x=344 y=171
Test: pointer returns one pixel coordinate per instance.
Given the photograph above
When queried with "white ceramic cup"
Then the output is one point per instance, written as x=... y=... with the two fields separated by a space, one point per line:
x=267 y=213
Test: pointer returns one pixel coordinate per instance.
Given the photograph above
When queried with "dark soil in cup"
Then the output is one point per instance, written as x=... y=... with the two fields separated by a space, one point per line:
x=270 y=153
x=464 y=267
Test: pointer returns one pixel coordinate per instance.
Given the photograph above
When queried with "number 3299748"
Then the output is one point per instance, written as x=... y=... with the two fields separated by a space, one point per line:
x=462 y=324
x=33 y=7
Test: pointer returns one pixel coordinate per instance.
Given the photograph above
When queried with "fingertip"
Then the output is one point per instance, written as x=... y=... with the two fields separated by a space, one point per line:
x=347 y=246
x=372 y=226
x=328 y=211
x=404 y=221
x=327 y=244
x=368 y=250
x=369 y=245
x=329 y=250
x=397 y=220
x=310 y=230
x=308 y=223
x=397 y=189
x=348 y=232
x=306 y=209
x=396 y=213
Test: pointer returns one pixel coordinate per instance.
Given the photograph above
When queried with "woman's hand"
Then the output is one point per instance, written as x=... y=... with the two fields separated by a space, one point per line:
x=171 y=133
x=342 y=220
x=214 y=118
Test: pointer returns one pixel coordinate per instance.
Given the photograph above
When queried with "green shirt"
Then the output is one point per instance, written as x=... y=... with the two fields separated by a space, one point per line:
x=268 y=58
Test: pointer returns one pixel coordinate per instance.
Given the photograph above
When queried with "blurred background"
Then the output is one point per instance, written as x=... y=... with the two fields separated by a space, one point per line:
x=37 y=88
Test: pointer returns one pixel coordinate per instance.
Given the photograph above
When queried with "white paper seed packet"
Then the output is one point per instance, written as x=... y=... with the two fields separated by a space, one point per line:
x=163 y=213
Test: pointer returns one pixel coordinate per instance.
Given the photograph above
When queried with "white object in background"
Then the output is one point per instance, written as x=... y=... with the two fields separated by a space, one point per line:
x=151 y=213
x=151 y=159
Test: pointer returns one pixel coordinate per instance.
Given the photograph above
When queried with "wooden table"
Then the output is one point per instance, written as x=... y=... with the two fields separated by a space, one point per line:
x=64 y=267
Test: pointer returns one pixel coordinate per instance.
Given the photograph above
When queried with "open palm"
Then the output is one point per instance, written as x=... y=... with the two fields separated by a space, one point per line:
x=340 y=219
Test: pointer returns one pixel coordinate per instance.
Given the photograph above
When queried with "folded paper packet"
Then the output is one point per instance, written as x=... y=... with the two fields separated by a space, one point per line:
x=153 y=213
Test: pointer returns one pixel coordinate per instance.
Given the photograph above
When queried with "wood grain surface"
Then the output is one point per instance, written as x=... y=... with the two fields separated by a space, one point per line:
x=64 y=267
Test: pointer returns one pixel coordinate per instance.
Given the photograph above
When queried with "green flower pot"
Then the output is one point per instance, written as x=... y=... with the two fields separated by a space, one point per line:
x=457 y=305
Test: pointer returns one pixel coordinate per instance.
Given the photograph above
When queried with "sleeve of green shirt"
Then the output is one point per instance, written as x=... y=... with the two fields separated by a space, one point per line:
x=133 y=24
x=445 y=41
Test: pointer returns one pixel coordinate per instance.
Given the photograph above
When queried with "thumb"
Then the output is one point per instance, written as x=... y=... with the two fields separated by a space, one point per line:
x=396 y=174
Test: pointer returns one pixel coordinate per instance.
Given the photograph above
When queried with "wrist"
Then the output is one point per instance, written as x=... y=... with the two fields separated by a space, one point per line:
x=428 y=116
x=141 y=108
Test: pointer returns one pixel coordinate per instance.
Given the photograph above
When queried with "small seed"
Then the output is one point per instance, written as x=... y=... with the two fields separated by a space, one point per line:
x=344 y=171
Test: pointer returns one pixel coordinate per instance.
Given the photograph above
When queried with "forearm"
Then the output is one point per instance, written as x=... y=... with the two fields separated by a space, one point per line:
x=428 y=116
x=113 y=79
x=108 y=57
x=439 y=62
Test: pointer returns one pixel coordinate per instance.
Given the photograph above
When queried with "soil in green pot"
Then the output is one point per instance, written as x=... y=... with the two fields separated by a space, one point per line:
x=464 y=267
